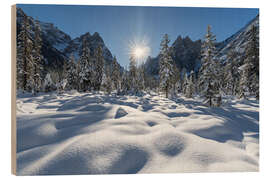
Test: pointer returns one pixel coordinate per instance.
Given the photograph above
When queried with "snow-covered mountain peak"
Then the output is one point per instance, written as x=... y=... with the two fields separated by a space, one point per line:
x=93 y=42
x=58 y=45
x=186 y=53
x=237 y=41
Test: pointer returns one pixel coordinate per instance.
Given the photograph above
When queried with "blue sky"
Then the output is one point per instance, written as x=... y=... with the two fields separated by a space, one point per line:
x=118 y=25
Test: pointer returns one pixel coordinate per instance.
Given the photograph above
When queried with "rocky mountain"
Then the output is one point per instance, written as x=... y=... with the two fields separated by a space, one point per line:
x=52 y=38
x=186 y=53
x=93 y=41
x=58 y=46
x=237 y=41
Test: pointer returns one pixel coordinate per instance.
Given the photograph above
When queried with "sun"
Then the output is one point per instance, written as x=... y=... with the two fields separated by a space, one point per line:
x=140 y=52
x=139 y=49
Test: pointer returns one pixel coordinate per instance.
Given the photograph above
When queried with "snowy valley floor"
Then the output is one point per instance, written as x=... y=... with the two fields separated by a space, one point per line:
x=84 y=133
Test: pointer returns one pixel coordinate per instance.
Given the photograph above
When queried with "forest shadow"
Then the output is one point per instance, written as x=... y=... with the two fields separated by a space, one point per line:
x=235 y=123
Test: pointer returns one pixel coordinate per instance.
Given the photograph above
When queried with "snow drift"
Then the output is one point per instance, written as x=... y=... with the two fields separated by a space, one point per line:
x=84 y=133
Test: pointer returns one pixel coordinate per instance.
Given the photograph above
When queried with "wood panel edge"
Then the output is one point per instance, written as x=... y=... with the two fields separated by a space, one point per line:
x=13 y=91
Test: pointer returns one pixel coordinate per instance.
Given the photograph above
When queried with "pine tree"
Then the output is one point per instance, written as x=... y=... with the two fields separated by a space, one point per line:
x=62 y=78
x=133 y=75
x=106 y=80
x=125 y=82
x=86 y=68
x=190 y=87
x=72 y=75
x=49 y=85
x=249 y=81
x=228 y=84
x=98 y=68
x=244 y=83
x=182 y=80
x=209 y=82
x=165 y=66
x=252 y=62
x=38 y=61
x=62 y=72
x=185 y=84
x=79 y=79
x=175 y=78
x=231 y=74
x=141 y=77
x=116 y=75
x=25 y=64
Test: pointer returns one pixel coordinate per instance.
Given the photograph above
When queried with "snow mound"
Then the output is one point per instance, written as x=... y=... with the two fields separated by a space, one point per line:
x=170 y=144
x=19 y=106
x=131 y=160
x=120 y=113
x=80 y=155
x=84 y=133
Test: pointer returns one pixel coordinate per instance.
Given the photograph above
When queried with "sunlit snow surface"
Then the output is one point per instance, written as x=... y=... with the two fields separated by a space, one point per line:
x=85 y=133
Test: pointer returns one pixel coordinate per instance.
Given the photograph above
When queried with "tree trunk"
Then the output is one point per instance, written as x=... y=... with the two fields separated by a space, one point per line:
x=166 y=91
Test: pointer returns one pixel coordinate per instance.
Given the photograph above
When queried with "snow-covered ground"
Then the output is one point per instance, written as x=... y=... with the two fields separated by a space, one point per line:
x=84 y=133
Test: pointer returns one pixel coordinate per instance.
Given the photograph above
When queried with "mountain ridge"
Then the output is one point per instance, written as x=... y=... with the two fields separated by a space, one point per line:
x=58 y=46
x=186 y=53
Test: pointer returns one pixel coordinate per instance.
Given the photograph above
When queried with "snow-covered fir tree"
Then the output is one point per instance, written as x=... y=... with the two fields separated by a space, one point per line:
x=64 y=72
x=182 y=80
x=38 y=60
x=61 y=86
x=125 y=82
x=115 y=76
x=78 y=70
x=106 y=80
x=25 y=80
x=244 y=81
x=184 y=83
x=72 y=76
x=209 y=79
x=98 y=68
x=251 y=62
x=85 y=69
x=175 y=78
x=190 y=87
x=133 y=81
x=166 y=69
x=49 y=85
x=62 y=78
x=231 y=74
x=141 y=77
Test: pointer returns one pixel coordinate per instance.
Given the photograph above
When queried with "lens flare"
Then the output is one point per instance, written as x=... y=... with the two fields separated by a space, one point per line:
x=139 y=49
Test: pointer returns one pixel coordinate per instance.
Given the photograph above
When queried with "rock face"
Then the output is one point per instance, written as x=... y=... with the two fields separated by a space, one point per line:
x=237 y=41
x=94 y=41
x=185 y=53
x=54 y=40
